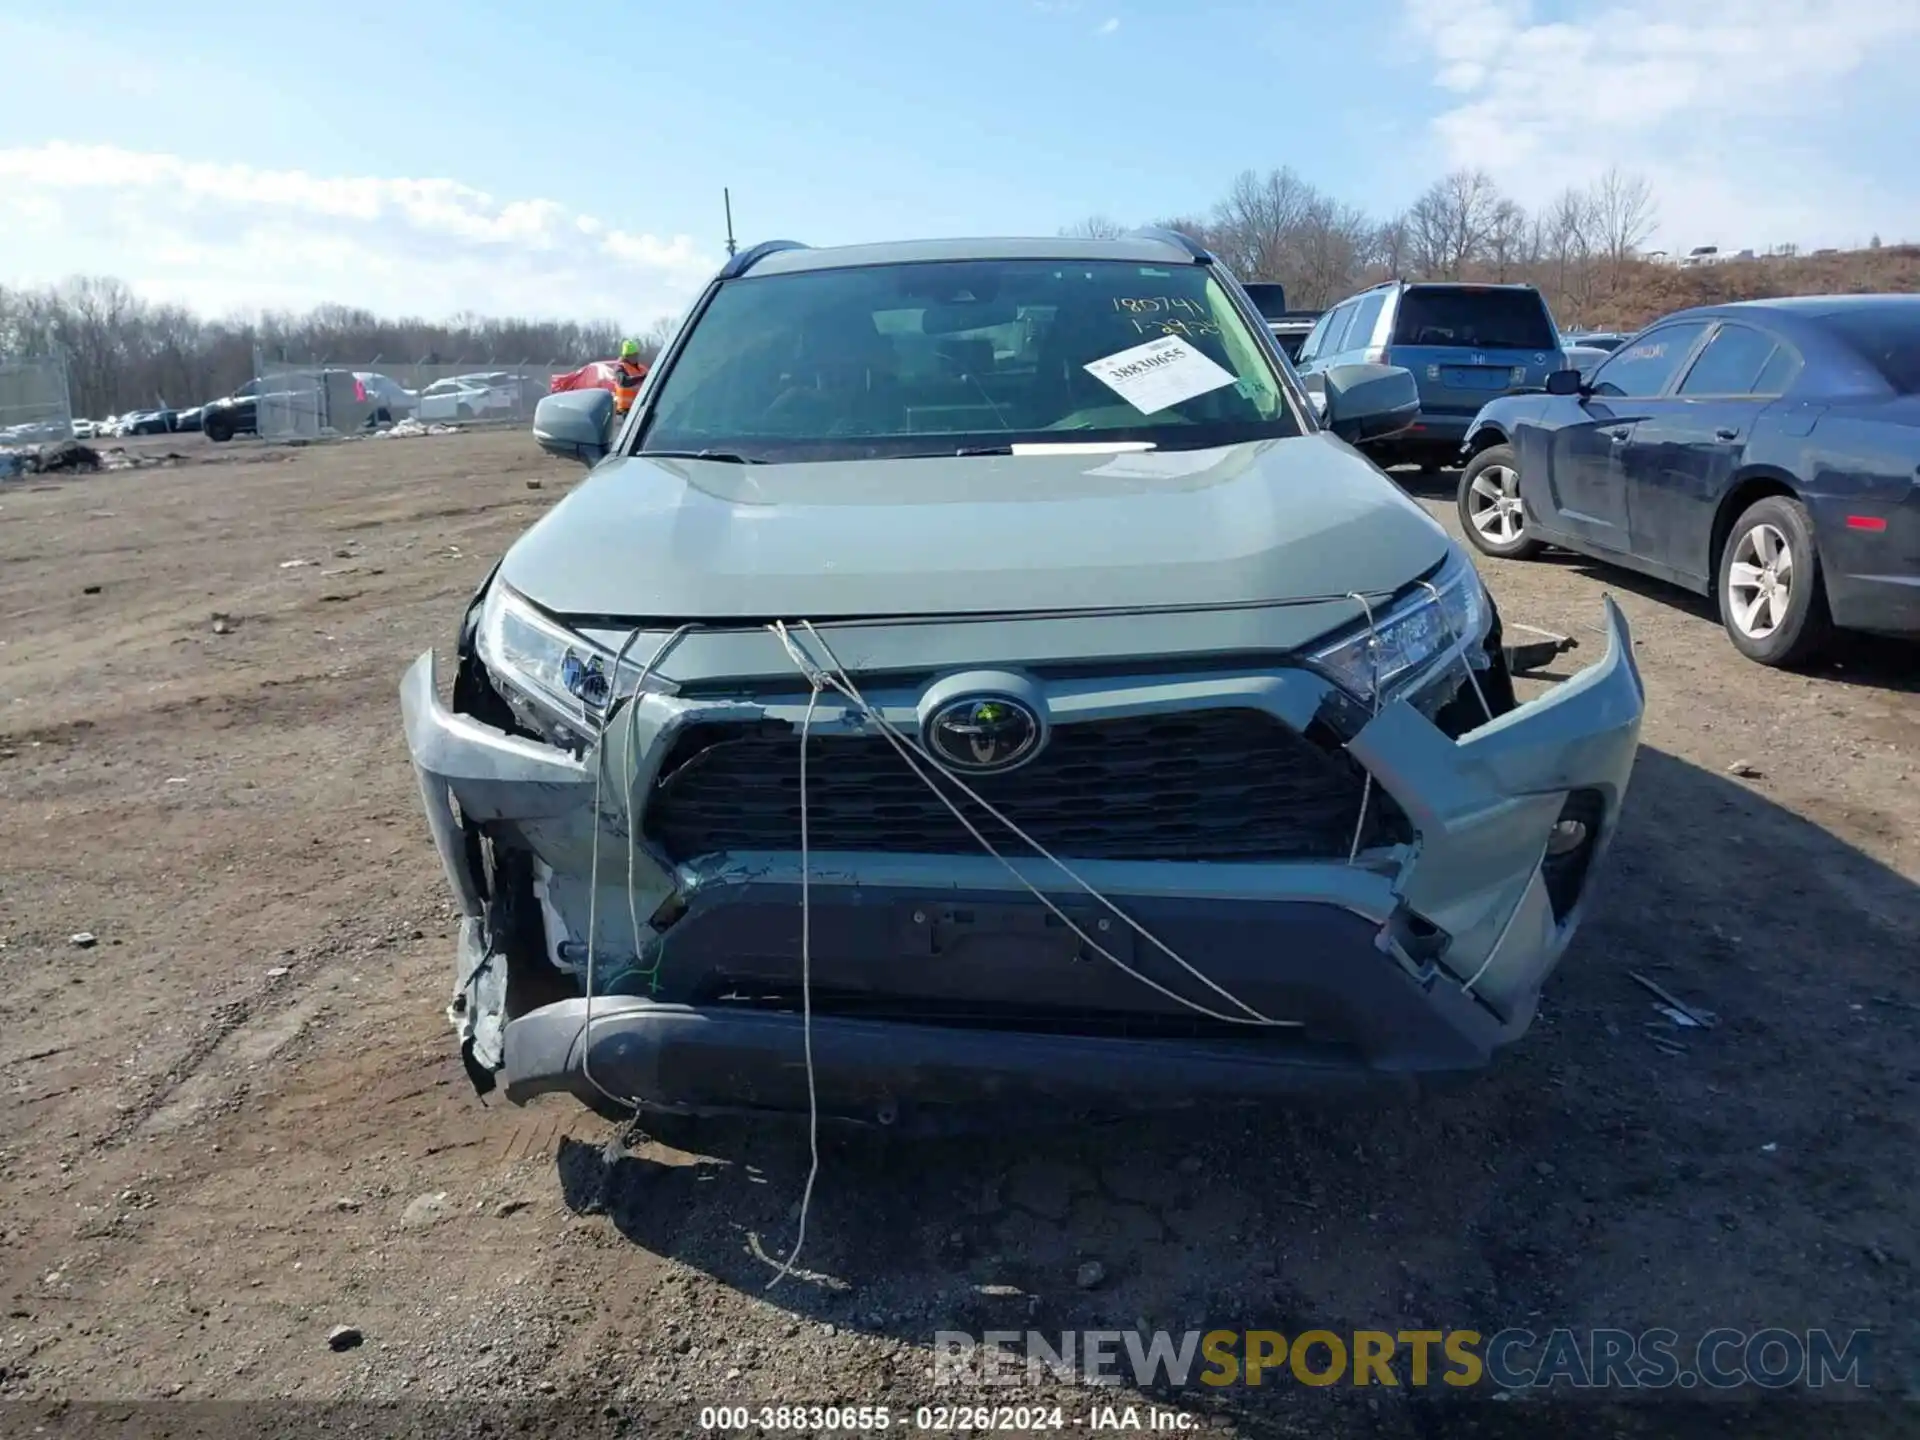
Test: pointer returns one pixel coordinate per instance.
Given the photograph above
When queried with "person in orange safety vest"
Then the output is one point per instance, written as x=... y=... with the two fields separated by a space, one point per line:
x=629 y=371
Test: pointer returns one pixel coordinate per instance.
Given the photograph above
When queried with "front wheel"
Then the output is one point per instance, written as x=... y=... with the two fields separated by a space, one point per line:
x=1772 y=599
x=1489 y=505
x=217 y=429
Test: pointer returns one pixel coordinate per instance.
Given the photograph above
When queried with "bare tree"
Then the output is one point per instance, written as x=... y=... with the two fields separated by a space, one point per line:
x=1451 y=224
x=1624 y=215
x=1392 y=245
x=1570 y=228
x=1094 y=227
x=1258 y=222
x=1194 y=228
x=1508 y=252
x=655 y=337
x=1330 y=250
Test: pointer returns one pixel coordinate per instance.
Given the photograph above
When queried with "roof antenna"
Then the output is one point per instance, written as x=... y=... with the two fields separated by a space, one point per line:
x=726 y=198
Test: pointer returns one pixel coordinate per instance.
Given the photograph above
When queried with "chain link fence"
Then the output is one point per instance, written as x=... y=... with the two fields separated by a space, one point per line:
x=319 y=398
x=33 y=401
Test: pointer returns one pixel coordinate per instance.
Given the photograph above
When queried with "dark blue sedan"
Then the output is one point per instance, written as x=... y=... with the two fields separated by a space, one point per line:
x=1765 y=453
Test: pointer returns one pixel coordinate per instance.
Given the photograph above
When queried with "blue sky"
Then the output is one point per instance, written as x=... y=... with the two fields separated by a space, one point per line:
x=481 y=156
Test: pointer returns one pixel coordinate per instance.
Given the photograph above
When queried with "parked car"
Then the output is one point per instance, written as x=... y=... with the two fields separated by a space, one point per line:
x=1465 y=344
x=148 y=422
x=1289 y=327
x=295 y=397
x=188 y=419
x=1584 y=358
x=504 y=390
x=236 y=414
x=1608 y=340
x=1763 y=453
x=390 y=399
x=36 y=432
x=457 y=398
x=1107 y=575
x=85 y=429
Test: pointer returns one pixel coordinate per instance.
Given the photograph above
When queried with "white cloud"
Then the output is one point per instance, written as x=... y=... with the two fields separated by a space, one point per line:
x=222 y=237
x=1108 y=25
x=1715 y=101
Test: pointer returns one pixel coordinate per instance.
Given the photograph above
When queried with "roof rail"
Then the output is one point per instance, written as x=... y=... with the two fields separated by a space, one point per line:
x=1174 y=237
x=738 y=265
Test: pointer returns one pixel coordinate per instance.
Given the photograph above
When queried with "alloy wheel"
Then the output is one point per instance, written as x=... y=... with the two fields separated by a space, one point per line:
x=1760 y=581
x=1493 y=504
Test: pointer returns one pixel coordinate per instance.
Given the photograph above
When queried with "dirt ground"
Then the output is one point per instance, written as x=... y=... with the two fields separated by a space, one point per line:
x=235 y=1120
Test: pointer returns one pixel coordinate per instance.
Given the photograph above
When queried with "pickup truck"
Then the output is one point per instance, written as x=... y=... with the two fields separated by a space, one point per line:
x=1289 y=327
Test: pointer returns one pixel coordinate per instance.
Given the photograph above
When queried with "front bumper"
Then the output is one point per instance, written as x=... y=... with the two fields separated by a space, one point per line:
x=938 y=981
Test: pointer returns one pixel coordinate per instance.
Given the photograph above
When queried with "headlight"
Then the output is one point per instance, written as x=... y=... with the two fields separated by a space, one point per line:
x=565 y=676
x=1406 y=638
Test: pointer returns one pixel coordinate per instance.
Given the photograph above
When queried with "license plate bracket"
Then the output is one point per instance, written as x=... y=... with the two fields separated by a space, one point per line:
x=947 y=928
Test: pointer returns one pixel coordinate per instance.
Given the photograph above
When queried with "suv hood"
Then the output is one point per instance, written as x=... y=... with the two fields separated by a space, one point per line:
x=707 y=540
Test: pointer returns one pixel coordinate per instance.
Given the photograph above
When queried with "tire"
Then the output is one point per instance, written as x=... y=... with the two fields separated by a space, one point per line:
x=464 y=412
x=1489 y=506
x=217 y=428
x=1771 y=596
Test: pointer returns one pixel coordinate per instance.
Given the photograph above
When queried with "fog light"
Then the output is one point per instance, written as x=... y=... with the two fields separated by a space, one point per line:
x=1566 y=837
x=1570 y=846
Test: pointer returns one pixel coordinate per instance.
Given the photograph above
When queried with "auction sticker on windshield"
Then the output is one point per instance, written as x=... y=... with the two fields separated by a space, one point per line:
x=1159 y=374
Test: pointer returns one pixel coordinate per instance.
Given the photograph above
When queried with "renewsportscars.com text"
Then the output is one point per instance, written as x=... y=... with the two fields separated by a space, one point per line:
x=1511 y=1359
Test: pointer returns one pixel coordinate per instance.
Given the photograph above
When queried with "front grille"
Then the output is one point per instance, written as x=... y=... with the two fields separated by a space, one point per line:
x=1215 y=785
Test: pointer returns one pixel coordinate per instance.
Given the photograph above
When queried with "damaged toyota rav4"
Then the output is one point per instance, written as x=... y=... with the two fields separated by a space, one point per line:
x=974 y=674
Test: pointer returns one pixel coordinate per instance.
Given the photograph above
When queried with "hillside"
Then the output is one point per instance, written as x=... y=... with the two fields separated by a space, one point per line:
x=1646 y=291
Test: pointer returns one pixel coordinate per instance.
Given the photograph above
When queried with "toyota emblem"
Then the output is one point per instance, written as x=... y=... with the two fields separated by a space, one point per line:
x=983 y=733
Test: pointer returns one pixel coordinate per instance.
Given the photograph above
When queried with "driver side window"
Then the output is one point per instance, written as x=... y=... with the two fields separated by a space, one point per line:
x=1644 y=367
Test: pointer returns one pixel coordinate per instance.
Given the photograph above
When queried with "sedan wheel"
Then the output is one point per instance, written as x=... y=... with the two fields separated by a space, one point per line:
x=1490 y=508
x=1760 y=581
x=1772 y=600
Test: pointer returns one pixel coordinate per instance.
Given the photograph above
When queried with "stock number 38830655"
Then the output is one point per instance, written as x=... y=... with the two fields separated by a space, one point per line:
x=1014 y=1419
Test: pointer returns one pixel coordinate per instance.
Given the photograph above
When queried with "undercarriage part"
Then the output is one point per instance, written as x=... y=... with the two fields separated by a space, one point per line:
x=1537 y=651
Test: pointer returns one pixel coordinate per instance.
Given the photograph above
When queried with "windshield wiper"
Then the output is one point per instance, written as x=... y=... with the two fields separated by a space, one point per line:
x=1062 y=447
x=725 y=457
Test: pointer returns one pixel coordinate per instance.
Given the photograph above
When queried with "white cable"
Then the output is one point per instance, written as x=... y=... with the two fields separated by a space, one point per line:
x=593 y=862
x=1453 y=639
x=806 y=998
x=907 y=747
x=633 y=826
x=1366 y=785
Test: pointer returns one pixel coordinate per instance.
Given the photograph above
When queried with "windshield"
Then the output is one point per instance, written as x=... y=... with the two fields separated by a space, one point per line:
x=1887 y=336
x=1475 y=318
x=962 y=356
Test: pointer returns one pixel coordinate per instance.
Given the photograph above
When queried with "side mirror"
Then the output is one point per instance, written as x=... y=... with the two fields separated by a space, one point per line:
x=1566 y=382
x=574 y=424
x=1369 y=402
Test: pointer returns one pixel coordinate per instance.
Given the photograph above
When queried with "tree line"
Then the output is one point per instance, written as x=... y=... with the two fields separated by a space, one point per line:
x=124 y=352
x=1580 y=248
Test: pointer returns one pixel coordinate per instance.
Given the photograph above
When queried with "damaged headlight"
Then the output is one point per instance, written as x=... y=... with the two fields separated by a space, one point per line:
x=1405 y=639
x=568 y=679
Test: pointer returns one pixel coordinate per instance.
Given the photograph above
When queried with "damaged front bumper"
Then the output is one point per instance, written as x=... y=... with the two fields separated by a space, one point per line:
x=938 y=981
